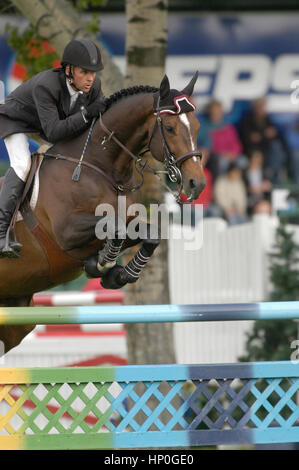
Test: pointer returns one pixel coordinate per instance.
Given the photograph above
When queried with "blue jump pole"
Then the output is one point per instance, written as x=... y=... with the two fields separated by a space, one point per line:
x=148 y=313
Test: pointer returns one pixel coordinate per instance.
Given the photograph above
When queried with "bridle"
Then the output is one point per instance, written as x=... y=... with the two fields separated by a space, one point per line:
x=171 y=163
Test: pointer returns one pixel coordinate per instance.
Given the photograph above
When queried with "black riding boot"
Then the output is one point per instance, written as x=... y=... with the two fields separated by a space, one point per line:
x=11 y=192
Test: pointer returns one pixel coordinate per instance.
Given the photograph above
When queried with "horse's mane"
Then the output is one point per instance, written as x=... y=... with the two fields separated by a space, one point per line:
x=134 y=90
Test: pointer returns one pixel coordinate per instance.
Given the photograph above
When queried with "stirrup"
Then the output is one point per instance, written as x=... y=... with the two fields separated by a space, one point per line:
x=15 y=244
x=8 y=251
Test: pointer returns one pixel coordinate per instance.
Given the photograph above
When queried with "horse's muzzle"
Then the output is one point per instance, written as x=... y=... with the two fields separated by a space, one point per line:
x=194 y=189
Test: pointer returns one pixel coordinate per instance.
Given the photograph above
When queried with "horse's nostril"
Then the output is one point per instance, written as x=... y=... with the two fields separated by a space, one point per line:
x=197 y=184
x=193 y=184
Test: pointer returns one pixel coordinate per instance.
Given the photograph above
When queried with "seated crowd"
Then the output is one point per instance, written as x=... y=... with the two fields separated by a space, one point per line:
x=244 y=162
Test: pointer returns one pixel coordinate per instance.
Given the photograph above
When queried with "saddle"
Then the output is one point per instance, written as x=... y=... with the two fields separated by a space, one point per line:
x=58 y=260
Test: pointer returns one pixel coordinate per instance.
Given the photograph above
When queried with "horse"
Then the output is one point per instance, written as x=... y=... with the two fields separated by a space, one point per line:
x=59 y=240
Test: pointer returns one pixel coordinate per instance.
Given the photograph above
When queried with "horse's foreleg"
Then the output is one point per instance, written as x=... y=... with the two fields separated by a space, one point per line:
x=134 y=267
x=119 y=276
x=97 y=266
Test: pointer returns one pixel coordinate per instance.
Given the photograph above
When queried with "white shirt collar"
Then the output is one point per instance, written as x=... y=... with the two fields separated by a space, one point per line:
x=72 y=92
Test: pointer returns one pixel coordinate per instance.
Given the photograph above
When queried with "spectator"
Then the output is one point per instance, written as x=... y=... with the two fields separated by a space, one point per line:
x=220 y=139
x=259 y=133
x=262 y=207
x=230 y=195
x=292 y=139
x=258 y=186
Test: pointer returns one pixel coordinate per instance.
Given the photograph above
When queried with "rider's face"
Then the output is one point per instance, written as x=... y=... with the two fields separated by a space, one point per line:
x=83 y=79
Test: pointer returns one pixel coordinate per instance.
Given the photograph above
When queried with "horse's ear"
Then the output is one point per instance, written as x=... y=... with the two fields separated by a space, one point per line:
x=188 y=90
x=164 y=87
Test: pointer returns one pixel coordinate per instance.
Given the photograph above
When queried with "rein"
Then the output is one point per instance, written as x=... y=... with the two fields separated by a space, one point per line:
x=138 y=161
x=58 y=156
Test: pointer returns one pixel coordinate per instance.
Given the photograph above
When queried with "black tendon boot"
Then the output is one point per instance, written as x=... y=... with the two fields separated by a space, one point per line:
x=11 y=192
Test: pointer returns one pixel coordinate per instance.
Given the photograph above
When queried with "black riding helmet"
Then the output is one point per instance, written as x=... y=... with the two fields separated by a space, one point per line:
x=82 y=53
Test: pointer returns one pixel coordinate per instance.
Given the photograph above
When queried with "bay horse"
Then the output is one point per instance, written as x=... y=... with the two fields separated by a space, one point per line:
x=59 y=240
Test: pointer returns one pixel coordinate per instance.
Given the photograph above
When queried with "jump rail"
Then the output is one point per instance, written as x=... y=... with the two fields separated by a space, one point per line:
x=78 y=298
x=148 y=313
x=149 y=405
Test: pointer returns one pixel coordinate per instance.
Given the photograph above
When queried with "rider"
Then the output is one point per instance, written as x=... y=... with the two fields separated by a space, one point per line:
x=56 y=104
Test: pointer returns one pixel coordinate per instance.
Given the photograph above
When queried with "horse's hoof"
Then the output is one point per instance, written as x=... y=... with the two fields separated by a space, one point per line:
x=106 y=267
x=114 y=278
x=90 y=267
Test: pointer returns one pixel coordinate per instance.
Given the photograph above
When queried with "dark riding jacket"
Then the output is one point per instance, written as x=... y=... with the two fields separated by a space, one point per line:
x=42 y=105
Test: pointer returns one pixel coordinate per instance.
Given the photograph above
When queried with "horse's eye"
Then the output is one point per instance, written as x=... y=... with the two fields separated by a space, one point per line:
x=169 y=129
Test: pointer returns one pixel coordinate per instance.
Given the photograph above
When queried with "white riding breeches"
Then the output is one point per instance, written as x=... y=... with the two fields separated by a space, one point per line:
x=19 y=153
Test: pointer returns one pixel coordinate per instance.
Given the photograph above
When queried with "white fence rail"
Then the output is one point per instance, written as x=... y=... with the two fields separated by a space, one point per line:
x=231 y=267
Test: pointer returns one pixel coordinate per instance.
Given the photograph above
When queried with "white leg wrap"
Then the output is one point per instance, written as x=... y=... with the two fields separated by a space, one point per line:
x=108 y=256
x=135 y=266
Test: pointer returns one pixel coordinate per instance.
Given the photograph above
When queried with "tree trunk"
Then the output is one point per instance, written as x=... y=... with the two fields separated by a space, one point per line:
x=58 y=22
x=146 y=41
x=146 y=44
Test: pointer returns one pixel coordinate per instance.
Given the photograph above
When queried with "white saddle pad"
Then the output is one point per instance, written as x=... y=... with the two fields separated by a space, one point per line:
x=35 y=190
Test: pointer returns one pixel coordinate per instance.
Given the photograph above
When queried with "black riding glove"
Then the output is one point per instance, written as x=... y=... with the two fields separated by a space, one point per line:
x=94 y=109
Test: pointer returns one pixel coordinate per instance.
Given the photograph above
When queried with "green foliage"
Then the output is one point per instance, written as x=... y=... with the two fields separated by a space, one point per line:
x=33 y=52
x=93 y=25
x=86 y=4
x=81 y=5
x=270 y=340
x=284 y=272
